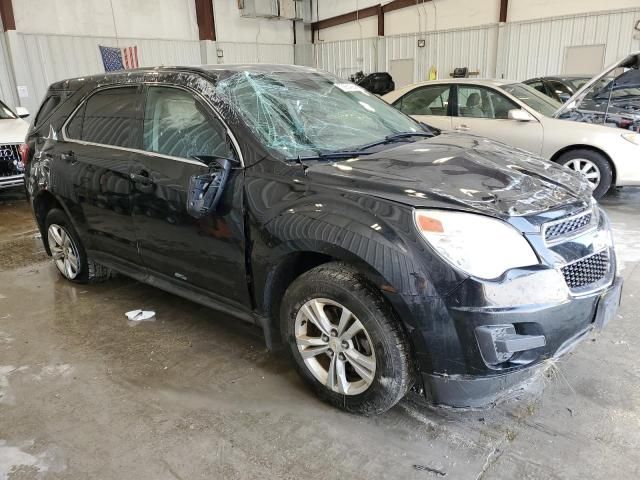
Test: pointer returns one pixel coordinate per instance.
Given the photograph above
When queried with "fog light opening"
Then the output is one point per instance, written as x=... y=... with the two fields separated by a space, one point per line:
x=499 y=343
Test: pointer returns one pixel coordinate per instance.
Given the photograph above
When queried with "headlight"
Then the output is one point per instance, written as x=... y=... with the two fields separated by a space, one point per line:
x=632 y=137
x=480 y=246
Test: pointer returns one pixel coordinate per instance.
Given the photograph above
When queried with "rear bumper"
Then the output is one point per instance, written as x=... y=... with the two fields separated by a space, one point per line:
x=12 y=181
x=564 y=326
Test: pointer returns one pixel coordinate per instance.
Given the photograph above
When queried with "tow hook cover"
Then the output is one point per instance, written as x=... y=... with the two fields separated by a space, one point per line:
x=498 y=343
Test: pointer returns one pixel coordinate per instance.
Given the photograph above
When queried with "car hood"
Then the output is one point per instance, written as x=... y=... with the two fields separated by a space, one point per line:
x=630 y=61
x=458 y=171
x=13 y=130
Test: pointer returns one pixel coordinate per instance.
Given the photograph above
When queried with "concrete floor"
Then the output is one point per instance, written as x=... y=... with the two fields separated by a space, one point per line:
x=83 y=394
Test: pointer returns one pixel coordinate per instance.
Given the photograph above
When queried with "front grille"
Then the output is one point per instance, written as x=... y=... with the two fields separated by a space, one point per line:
x=10 y=162
x=558 y=230
x=587 y=270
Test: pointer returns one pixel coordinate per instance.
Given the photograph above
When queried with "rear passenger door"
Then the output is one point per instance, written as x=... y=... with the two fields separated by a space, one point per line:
x=95 y=158
x=206 y=252
x=428 y=104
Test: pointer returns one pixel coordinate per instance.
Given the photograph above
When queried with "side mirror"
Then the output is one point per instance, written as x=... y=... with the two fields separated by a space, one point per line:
x=22 y=112
x=205 y=190
x=520 y=115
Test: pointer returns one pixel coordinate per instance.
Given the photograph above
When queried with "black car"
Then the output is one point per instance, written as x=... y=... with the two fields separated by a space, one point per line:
x=382 y=255
x=379 y=83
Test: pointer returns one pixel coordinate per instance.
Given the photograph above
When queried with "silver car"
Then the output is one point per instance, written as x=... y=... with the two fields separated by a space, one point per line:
x=519 y=115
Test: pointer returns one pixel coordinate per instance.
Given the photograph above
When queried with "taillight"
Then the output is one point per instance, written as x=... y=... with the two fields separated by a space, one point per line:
x=23 y=150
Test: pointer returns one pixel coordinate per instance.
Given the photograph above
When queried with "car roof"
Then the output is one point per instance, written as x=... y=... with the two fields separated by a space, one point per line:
x=562 y=77
x=222 y=70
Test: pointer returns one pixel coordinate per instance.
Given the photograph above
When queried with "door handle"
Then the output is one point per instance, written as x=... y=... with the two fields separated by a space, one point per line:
x=142 y=177
x=462 y=128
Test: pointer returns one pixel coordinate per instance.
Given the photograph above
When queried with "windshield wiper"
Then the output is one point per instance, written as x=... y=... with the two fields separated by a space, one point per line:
x=330 y=156
x=393 y=138
x=362 y=150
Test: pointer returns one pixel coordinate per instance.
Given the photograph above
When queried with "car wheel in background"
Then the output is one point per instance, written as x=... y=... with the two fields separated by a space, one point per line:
x=69 y=255
x=345 y=340
x=593 y=165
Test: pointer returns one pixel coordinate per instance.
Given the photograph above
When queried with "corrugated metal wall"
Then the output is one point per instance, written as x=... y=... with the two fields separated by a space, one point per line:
x=445 y=49
x=514 y=50
x=347 y=57
x=49 y=58
x=7 y=87
x=517 y=50
x=529 y=49
x=236 y=52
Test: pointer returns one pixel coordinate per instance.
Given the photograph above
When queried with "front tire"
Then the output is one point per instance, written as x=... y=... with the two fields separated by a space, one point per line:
x=593 y=165
x=345 y=340
x=67 y=250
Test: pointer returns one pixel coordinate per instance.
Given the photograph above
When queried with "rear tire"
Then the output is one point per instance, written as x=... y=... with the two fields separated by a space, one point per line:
x=593 y=165
x=368 y=348
x=68 y=252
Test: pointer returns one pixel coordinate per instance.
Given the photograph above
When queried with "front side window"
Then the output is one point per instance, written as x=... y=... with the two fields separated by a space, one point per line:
x=431 y=100
x=177 y=124
x=532 y=98
x=110 y=117
x=310 y=113
x=480 y=102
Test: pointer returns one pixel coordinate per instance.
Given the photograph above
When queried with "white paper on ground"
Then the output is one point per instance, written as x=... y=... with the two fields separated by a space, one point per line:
x=141 y=315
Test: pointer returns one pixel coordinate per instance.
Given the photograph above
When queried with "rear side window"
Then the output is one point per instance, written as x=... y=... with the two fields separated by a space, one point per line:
x=48 y=106
x=109 y=117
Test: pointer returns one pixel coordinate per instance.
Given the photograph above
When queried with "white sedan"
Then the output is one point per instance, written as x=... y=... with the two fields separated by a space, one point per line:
x=518 y=115
x=13 y=130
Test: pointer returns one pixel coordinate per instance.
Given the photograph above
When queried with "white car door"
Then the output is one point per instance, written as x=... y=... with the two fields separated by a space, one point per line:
x=484 y=111
x=429 y=104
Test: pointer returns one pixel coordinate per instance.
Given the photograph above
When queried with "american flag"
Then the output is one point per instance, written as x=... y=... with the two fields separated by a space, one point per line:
x=114 y=58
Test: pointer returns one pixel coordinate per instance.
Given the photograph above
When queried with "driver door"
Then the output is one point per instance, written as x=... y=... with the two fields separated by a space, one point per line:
x=205 y=252
x=483 y=111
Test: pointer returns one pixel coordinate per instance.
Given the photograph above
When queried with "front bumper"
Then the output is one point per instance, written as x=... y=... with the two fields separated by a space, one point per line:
x=563 y=326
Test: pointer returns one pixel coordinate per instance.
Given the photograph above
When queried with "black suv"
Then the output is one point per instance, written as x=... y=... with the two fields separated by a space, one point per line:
x=382 y=255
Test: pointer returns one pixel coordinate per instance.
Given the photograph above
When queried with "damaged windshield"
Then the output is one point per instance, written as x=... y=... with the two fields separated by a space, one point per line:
x=303 y=114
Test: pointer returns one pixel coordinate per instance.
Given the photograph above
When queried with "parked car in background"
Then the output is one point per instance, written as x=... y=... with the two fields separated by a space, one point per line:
x=289 y=198
x=560 y=88
x=13 y=130
x=379 y=83
x=519 y=115
x=611 y=98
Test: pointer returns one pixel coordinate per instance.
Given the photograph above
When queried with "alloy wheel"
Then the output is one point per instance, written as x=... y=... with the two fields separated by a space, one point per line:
x=63 y=251
x=335 y=346
x=587 y=168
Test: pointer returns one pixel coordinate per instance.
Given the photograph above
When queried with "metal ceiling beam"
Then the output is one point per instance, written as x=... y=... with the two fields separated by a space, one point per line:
x=375 y=10
x=6 y=13
x=204 y=17
x=504 y=7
